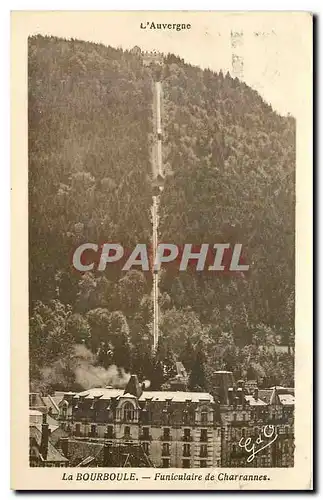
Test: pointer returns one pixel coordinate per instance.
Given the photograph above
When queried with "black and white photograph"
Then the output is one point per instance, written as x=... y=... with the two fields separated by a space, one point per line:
x=162 y=239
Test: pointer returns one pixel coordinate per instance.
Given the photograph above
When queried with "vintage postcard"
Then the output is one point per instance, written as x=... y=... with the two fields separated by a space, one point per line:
x=161 y=250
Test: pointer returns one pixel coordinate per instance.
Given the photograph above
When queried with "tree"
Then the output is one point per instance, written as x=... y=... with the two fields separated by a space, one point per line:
x=130 y=290
x=49 y=337
x=164 y=364
x=79 y=328
x=188 y=356
x=121 y=341
x=197 y=378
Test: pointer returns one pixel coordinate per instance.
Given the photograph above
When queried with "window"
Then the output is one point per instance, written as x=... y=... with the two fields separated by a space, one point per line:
x=286 y=429
x=187 y=434
x=110 y=431
x=165 y=417
x=127 y=432
x=204 y=415
x=166 y=434
x=77 y=429
x=203 y=450
x=234 y=416
x=145 y=447
x=186 y=450
x=203 y=435
x=145 y=433
x=186 y=417
x=93 y=430
x=128 y=412
x=144 y=416
x=165 y=450
x=203 y=463
x=165 y=463
x=219 y=432
x=186 y=464
x=243 y=432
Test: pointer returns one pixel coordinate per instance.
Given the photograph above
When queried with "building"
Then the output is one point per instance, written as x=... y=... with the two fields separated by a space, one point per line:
x=42 y=452
x=152 y=57
x=248 y=415
x=135 y=427
x=48 y=404
x=173 y=428
x=103 y=453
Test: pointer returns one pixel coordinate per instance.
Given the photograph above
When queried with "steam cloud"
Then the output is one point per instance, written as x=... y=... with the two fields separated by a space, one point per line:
x=86 y=373
x=89 y=376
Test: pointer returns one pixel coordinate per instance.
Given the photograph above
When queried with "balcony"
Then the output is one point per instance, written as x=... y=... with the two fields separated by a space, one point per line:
x=145 y=437
x=187 y=438
x=109 y=435
x=166 y=438
x=204 y=424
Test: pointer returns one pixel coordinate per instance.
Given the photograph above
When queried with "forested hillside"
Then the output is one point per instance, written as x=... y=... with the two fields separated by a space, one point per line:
x=230 y=159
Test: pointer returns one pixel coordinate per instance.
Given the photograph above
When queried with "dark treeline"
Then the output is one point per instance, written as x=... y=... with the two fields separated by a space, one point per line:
x=230 y=158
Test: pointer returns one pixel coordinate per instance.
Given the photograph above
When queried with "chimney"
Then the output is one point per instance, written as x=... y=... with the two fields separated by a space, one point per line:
x=133 y=387
x=255 y=394
x=240 y=394
x=64 y=446
x=44 y=437
x=107 y=455
x=230 y=396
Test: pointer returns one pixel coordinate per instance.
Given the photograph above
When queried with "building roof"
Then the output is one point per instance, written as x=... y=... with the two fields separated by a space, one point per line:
x=175 y=396
x=79 y=451
x=53 y=455
x=286 y=399
x=35 y=413
x=285 y=390
x=53 y=425
x=52 y=402
x=102 y=393
x=255 y=402
x=128 y=395
x=265 y=395
x=277 y=395
x=52 y=428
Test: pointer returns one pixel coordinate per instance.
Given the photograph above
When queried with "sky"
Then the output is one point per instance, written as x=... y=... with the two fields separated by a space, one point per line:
x=272 y=45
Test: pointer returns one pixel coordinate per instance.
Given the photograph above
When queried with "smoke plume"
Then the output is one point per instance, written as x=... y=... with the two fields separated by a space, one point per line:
x=88 y=375
x=81 y=369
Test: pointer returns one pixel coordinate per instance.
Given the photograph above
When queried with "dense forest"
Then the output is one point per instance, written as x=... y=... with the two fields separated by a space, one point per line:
x=230 y=163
